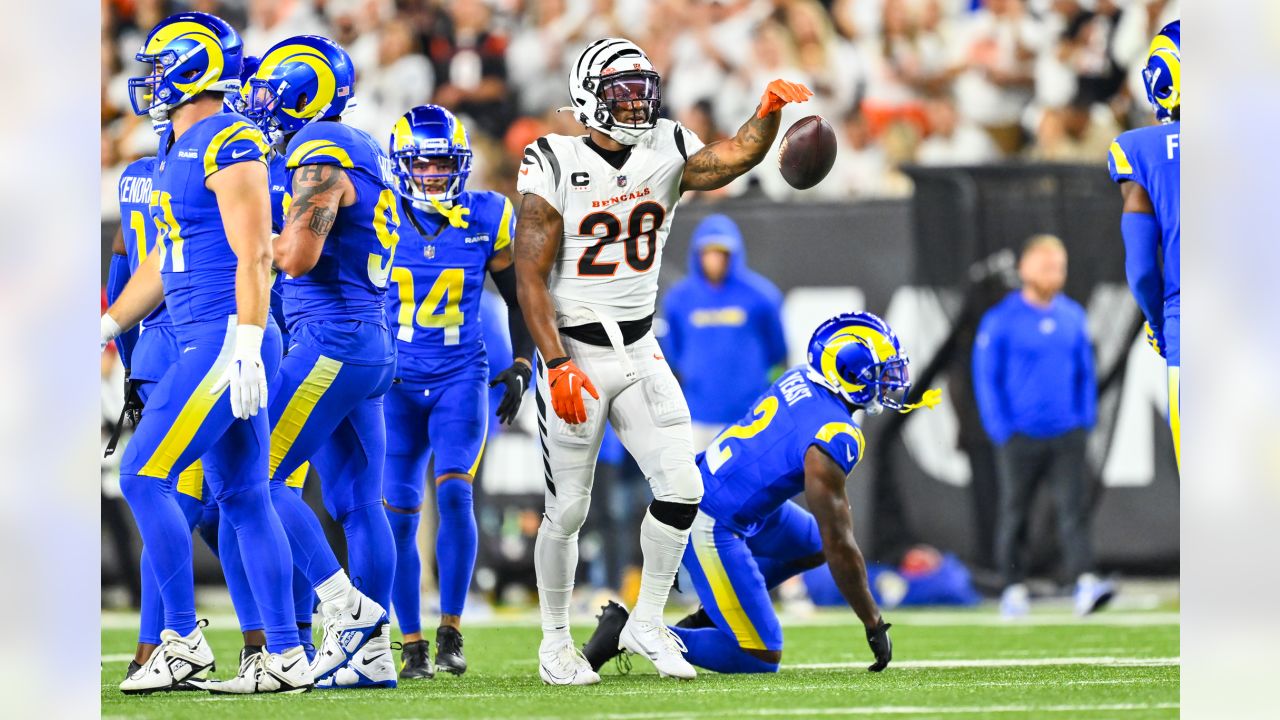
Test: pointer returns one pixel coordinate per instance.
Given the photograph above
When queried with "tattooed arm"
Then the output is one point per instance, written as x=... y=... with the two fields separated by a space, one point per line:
x=318 y=192
x=720 y=162
x=539 y=232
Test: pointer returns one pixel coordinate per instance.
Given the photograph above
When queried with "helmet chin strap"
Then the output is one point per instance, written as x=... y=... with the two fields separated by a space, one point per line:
x=455 y=215
x=931 y=398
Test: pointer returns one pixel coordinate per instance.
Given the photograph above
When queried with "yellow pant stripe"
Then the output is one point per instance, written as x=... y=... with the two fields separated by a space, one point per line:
x=483 y=439
x=1175 y=413
x=295 y=414
x=192 y=415
x=704 y=547
x=298 y=477
x=191 y=481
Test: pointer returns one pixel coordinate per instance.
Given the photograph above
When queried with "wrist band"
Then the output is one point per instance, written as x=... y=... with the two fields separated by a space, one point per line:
x=557 y=362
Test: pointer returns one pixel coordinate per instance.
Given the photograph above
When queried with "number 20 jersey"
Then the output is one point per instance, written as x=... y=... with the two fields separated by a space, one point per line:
x=616 y=220
x=757 y=464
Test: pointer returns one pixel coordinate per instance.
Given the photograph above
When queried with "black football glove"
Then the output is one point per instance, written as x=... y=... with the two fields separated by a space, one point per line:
x=516 y=381
x=881 y=645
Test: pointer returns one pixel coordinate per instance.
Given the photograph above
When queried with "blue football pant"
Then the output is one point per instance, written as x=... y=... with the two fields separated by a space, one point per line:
x=184 y=421
x=330 y=413
x=732 y=576
x=450 y=422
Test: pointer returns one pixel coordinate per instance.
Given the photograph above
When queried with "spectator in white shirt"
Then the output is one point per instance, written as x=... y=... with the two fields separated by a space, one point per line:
x=953 y=140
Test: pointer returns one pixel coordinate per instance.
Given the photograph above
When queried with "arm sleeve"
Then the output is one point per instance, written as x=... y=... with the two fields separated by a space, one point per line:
x=117 y=277
x=1141 y=233
x=240 y=141
x=1086 y=381
x=987 y=371
x=540 y=173
x=521 y=339
x=842 y=441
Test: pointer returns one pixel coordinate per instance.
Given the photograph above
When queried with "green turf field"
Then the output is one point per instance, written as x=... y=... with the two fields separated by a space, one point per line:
x=946 y=664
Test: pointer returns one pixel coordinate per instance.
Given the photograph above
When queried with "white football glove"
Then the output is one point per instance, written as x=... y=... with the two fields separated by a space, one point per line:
x=110 y=329
x=245 y=374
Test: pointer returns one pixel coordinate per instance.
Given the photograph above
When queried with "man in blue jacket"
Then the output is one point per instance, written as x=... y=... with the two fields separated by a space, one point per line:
x=724 y=329
x=1034 y=380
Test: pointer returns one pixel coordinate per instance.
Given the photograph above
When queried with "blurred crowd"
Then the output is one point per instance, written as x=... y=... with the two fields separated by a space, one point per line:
x=931 y=82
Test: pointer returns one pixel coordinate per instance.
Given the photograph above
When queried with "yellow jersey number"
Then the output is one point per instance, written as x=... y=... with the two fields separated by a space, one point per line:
x=439 y=309
x=718 y=453
x=169 y=240
x=386 y=223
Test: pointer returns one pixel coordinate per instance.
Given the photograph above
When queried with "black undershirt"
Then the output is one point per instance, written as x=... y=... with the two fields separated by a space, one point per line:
x=616 y=158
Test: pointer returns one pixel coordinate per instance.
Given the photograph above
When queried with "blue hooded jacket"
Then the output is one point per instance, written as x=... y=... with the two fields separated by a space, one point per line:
x=723 y=340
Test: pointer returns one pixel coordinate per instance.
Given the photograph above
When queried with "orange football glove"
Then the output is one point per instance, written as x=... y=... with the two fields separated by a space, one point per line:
x=780 y=92
x=567 y=383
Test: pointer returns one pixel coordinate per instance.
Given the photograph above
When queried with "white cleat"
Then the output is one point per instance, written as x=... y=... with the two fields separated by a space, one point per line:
x=286 y=672
x=246 y=680
x=348 y=625
x=177 y=660
x=263 y=672
x=1015 y=602
x=664 y=648
x=372 y=667
x=564 y=664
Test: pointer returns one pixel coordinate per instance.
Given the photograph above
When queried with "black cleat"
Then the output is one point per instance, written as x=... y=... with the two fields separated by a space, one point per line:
x=449 y=655
x=697 y=619
x=415 y=661
x=605 y=643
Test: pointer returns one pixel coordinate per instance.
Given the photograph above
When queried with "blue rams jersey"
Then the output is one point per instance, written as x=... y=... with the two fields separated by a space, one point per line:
x=349 y=281
x=439 y=279
x=278 y=176
x=199 y=269
x=756 y=465
x=1151 y=157
x=137 y=228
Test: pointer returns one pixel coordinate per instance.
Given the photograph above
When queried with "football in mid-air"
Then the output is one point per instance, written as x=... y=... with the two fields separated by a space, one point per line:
x=807 y=152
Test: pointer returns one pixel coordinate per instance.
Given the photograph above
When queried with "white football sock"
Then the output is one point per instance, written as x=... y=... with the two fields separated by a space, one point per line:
x=555 y=560
x=335 y=588
x=663 y=548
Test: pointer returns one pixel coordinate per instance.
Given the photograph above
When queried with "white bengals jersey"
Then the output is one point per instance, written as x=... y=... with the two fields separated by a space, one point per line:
x=616 y=221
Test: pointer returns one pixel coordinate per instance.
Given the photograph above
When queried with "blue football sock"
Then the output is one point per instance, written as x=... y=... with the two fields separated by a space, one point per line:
x=455 y=544
x=371 y=552
x=304 y=599
x=264 y=550
x=167 y=537
x=242 y=598
x=406 y=590
x=151 y=612
x=311 y=552
x=713 y=649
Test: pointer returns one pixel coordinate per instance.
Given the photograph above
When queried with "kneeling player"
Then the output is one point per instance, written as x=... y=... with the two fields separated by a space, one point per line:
x=748 y=536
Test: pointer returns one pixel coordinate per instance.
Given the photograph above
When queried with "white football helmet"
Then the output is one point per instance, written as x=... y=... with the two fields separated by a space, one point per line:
x=607 y=80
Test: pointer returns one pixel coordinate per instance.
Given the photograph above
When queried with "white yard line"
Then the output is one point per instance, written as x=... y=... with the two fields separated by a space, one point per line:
x=900 y=710
x=998 y=662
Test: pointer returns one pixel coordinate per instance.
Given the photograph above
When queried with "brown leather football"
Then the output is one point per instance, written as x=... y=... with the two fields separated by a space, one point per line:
x=807 y=152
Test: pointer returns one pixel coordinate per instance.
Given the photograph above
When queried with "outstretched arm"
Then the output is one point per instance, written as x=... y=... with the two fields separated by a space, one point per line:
x=719 y=163
x=824 y=491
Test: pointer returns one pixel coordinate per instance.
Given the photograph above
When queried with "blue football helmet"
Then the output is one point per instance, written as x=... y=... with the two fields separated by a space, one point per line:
x=430 y=131
x=1162 y=75
x=188 y=53
x=300 y=80
x=859 y=358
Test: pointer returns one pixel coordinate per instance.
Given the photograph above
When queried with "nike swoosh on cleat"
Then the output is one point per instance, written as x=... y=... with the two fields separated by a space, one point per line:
x=553 y=676
x=369 y=661
x=287 y=668
x=359 y=609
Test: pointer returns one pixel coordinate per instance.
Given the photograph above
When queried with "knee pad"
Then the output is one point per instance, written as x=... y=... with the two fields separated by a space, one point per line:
x=678 y=515
x=681 y=481
x=454 y=497
x=569 y=512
